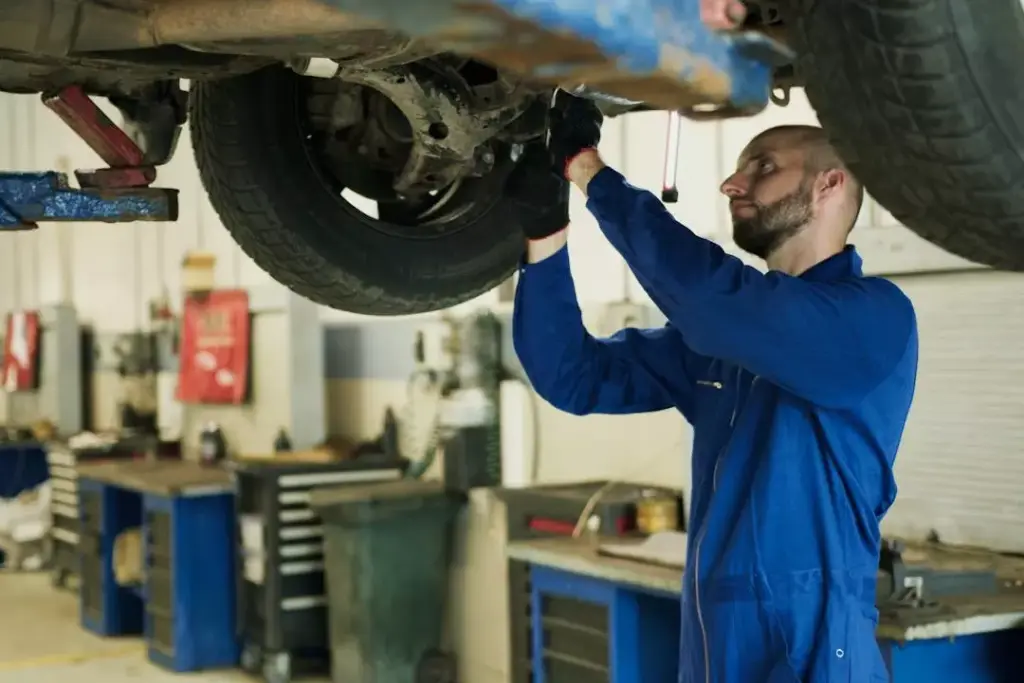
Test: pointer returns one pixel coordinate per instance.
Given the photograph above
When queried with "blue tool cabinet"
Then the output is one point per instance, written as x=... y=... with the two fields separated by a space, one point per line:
x=588 y=629
x=190 y=581
x=185 y=607
x=105 y=511
x=23 y=466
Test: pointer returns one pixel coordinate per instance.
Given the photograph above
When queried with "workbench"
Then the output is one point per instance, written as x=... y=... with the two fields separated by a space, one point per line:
x=185 y=606
x=612 y=619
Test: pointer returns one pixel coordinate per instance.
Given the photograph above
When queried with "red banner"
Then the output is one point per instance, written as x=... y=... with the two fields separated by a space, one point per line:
x=21 y=351
x=214 y=352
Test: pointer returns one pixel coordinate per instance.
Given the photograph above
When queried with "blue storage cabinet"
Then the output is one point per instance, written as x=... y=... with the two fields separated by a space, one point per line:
x=190 y=621
x=979 y=658
x=23 y=466
x=105 y=511
x=591 y=629
x=588 y=629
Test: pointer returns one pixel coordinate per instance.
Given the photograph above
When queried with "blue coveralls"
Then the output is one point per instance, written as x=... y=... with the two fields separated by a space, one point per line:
x=798 y=389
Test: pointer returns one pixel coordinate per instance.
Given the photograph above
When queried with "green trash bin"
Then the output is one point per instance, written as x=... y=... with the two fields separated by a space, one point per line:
x=387 y=554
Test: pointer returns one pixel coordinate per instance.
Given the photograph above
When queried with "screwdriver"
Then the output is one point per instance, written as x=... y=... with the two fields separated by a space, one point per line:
x=669 y=187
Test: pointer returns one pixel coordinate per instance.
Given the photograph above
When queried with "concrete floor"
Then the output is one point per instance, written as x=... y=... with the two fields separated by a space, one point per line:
x=41 y=641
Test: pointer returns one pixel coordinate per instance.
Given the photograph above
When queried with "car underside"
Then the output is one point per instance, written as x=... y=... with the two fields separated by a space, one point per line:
x=293 y=103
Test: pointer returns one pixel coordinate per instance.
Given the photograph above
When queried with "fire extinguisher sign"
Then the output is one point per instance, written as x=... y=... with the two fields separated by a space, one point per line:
x=214 y=352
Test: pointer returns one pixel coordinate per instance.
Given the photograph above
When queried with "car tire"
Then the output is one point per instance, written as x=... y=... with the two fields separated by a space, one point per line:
x=922 y=100
x=277 y=202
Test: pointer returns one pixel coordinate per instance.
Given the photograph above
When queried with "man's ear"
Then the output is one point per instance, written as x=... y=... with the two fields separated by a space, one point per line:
x=831 y=181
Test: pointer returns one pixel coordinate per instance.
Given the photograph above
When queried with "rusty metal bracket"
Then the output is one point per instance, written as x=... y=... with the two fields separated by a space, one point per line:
x=126 y=161
x=654 y=51
x=447 y=121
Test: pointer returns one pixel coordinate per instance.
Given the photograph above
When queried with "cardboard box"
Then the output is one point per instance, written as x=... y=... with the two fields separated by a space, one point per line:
x=198 y=271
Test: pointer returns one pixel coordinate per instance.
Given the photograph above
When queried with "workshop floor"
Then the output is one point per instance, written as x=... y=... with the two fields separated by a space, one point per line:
x=41 y=641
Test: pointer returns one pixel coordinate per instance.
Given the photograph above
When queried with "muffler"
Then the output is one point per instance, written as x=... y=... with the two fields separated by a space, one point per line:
x=183 y=22
x=59 y=28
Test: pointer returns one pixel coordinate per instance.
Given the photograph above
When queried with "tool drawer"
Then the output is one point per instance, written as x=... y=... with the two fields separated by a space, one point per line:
x=72 y=516
x=282 y=595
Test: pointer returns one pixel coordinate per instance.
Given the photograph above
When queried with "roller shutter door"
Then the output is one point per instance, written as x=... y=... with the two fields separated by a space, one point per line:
x=960 y=470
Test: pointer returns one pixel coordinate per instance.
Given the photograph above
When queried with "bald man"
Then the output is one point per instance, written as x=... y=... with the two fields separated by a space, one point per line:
x=797 y=382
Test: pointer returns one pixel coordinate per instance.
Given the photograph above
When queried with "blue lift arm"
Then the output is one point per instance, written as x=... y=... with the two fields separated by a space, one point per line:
x=29 y=198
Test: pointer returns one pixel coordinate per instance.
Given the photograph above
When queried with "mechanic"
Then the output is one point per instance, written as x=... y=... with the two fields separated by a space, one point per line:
x=797 y=383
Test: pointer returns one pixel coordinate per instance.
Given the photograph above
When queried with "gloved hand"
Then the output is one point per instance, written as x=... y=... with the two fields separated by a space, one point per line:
x=574 y=124
x=541 y=197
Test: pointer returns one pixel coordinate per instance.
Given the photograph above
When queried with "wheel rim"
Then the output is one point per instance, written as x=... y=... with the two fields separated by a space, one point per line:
x=364 y=188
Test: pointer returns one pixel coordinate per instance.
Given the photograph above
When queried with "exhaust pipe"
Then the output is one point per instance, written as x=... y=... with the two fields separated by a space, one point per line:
x=183 y=22
x=60 y=28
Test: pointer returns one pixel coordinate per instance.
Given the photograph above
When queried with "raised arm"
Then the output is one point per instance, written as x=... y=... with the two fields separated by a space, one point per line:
x=634 y=371
x=829 y=342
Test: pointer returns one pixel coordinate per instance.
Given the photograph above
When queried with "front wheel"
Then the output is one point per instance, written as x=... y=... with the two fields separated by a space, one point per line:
x=280 y=171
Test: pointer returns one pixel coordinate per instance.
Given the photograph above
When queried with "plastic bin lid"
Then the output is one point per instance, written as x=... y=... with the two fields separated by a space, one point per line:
x=403 y=489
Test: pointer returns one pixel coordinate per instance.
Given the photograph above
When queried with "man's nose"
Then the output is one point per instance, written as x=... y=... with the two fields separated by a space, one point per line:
x=735 y=186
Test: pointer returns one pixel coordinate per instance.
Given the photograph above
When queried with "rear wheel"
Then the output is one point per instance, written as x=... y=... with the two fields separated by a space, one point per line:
x=922 y=100
x=281 y=156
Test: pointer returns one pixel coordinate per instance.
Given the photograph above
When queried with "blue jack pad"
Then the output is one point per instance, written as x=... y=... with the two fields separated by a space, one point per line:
x=653 y=51
x=30 y=198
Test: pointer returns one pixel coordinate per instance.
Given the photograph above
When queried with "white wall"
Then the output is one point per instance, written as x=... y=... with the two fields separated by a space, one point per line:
x=110 y=272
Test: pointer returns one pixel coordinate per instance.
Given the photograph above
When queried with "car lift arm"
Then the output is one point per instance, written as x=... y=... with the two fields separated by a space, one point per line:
x=116 y=194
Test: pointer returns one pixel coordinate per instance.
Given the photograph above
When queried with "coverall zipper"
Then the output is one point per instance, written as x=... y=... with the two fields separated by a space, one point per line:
x=704 y=527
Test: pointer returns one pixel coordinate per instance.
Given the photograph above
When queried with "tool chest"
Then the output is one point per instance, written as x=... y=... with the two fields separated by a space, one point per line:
x=64 y=508
x=190 y=572
x=282 y=596
x=106 y=608
x=63 y=461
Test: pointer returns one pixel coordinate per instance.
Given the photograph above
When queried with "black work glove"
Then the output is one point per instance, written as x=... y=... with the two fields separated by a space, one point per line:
x=540 y=197
x=574 y=124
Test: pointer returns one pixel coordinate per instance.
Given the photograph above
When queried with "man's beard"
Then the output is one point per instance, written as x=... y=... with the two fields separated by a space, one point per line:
x=773 y=225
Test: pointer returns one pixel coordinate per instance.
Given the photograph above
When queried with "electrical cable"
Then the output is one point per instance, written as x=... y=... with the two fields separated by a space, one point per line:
x=595 y=497
x=426 y=451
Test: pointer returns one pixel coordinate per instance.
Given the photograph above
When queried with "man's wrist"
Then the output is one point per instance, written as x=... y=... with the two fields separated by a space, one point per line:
x=582 y=168
x=539 y=249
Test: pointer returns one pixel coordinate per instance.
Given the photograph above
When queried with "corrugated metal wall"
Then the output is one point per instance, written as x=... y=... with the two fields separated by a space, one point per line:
x=961 y=467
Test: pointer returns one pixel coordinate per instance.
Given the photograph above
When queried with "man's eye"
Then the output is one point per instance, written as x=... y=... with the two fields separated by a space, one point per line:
x=765 y=166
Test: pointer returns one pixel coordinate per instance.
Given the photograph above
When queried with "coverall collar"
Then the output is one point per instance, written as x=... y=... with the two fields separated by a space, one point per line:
x=844 y=264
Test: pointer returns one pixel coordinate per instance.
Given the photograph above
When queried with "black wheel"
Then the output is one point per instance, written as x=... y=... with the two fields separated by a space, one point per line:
x=924 y=102
x=276 y=165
